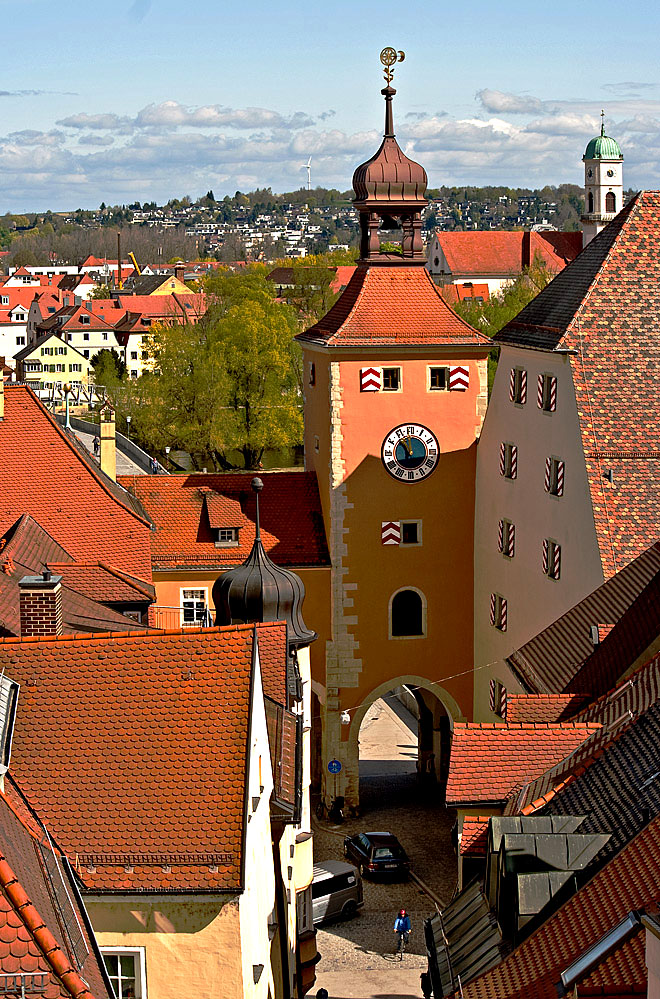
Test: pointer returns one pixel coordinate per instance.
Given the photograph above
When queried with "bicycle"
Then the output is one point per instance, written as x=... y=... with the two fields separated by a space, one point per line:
x=335 y=813
x=402 y=945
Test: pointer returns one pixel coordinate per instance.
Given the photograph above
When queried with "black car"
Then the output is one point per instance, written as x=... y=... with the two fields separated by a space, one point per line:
x=377 y=853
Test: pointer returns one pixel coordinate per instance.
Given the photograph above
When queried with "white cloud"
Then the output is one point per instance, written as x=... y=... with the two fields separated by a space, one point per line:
x=498 y=102
x=95 y=121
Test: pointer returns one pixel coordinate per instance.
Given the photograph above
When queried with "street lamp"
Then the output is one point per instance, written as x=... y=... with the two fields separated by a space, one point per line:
x=167 y=458
x=128 y=427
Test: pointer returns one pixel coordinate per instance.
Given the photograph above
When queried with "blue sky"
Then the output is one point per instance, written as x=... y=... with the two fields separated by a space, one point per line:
x=151 y=99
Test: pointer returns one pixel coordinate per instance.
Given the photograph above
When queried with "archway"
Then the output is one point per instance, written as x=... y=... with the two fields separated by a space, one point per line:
x=400 y=740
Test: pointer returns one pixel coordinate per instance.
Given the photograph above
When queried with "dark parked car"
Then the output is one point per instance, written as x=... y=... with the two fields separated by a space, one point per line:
x=377 y=853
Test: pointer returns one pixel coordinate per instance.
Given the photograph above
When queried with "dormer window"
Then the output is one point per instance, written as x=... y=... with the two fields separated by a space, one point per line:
x=226 y=537
x=84 y=320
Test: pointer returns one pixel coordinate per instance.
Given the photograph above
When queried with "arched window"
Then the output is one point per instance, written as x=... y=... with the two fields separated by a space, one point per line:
x=591 y=201
x=407 y=614
x=610 y=202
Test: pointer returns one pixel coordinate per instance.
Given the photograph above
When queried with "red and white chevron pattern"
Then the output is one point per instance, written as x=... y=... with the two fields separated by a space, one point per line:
x=498 y=698
x=518 y=375
x=554 y=476
x=523 y=386
x=551 y=558
x=371 y=379
x=552 y=390
x=459 y=379
x=507 y=538
x=390 y=532
x=539 y=392
x=546 y=393
x=512 y=396
x=498 y=611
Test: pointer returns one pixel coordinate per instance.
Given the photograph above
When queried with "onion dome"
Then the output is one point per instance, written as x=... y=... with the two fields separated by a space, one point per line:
x=258 y=590
x=390 y=176
x=602 y=147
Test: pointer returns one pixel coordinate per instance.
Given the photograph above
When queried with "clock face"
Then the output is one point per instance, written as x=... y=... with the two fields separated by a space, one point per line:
x=610 y=173
x=410 y=452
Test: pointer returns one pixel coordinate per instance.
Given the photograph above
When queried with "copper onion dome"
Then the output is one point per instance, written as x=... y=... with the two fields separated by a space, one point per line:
x=390 y=177
x=258 y=590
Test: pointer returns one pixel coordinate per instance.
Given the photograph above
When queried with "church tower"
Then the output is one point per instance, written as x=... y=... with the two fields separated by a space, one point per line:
x=395 y=394
x=603 y=183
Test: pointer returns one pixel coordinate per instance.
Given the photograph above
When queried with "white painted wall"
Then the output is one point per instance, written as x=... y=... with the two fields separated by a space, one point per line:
x=534 y=600
x=10 y=335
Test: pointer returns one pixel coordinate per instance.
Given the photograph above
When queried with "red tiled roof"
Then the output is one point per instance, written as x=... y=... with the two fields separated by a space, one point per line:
x=43 y=472
x=163 y=306
x=343 y=275
x=291 y=521
x=534 y=708
x=474 y=835
x=453 y=293
x=103 y=583
x=394 y=306
x=506 y=253
x=273 y=654
x=31 y=938
x=489 y=760
x=629 y=881
x=149 y=772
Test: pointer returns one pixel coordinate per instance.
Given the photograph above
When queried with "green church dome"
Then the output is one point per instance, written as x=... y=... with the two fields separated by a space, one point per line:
x=602 y=147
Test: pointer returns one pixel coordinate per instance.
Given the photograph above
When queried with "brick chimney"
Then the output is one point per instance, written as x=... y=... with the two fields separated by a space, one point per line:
x=108 y=443
x=180 y=272
x=527 y=248
x=41 y=605
x=2 y=397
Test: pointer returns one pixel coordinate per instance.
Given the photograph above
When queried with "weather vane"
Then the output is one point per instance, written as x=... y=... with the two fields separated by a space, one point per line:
x=389 y=57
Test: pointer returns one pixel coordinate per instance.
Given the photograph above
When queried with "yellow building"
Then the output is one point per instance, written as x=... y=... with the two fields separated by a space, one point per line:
x=49 y=363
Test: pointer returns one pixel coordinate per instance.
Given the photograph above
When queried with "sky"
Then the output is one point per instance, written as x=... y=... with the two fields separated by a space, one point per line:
x=153 y=99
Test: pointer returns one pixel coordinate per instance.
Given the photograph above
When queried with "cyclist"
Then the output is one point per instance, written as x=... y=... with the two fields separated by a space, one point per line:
x=402 y=927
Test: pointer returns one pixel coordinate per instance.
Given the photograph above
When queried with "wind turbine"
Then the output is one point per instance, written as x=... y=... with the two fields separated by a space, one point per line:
x=309 y=174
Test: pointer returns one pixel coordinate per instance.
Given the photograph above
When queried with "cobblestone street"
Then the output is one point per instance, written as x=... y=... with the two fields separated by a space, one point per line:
x=360 y=951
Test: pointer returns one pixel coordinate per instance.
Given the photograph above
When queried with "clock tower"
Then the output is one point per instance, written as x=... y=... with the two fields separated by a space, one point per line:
x=603 y=183
x=395 y=395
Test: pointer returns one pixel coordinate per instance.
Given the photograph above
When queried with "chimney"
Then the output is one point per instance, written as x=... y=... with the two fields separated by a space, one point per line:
x=108 y=448
x=527 y=248
x=88 y=304
x=2 y=397
x=179 y=272
x=41 y=605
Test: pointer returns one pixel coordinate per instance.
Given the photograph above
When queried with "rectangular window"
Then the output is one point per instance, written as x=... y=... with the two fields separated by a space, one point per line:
x=551 y=558
x=498 y=611
x=227 y=537
x=5 y=299
x=508 y=460
x=61 y=368
x=134 y=355
x=312 y=373
x=304 y=910
x=85 y=336
x=85 y=353
x=547 y=393
x=554 y=476
x=105 y=336
x=126 y=970
x=518 y=386
x=134 y=373
x=193 y=608
x=391 y=379
x=498 y=698
x=438 y=379
x=507 y=538
x=20 y=341
x=411 y=532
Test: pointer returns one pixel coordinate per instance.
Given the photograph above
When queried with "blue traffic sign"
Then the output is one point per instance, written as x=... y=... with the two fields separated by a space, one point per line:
x=334 y=766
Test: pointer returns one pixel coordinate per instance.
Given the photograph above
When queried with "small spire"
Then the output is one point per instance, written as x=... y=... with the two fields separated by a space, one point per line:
x=388 y=93
x=602 y=123
x=257 y=486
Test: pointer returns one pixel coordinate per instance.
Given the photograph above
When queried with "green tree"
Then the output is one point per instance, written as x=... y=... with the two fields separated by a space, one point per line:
x=101 y=291
x=108 y=367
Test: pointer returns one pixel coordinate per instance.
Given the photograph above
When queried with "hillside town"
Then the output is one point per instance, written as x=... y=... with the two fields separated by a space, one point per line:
x=330 y=595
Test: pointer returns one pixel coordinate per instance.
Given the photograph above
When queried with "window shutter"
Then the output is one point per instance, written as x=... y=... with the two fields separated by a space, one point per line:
x=512 y=393
x=511 y=540
x=503 y=614
x=556 y=561
x=390 y=532
x=503 y=702
x=560 y=478
x=459 y=379
x=514 y=461
x=553 y=394
x=539 y=392
x=491 y=699
x=523 y=386
x=502 y=458
x=548 y=472
x=371 y=379
x=493 y=605
x=545 y=555
x=500 y=539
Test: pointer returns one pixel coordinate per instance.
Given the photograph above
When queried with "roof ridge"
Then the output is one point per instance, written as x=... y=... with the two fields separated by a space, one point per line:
x=144 y=633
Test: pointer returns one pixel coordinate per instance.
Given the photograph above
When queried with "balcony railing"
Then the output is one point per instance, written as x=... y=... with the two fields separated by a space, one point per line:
x=172 y=618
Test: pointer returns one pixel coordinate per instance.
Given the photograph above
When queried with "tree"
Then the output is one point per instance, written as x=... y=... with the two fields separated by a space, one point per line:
x=101 y=291
x=109 y=368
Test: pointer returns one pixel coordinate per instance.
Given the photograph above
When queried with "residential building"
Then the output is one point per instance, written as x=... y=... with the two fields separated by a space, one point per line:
x=567 y=469
x=142 y=314
x=495 y=258
x=49 y=363
x=15 y=304
x=86 y=326
x=157 y=284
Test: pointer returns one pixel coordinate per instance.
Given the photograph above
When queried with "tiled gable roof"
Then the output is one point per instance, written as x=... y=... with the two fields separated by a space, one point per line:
x=31 y=938
x=489 y=760
x=44 y=472
x=392 y=306
x=146 y=788
x=550 y=660
x=290 y=509
x=102 y=583
x=534 y=708
x=506 y=253
x=629 y=881
x=474 y=835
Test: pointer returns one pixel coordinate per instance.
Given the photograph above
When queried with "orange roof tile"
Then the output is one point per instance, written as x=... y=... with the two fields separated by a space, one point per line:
x=453 y=293
x=44 y=472
x=506 y=253
x=474 y=835
x=103 y=583
x=489 y=760
x=291 y=522
x=531 y=708
x=145 y=783
x=393 y=306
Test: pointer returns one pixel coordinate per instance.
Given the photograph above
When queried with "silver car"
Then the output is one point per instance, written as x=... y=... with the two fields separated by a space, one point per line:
x=336 y=890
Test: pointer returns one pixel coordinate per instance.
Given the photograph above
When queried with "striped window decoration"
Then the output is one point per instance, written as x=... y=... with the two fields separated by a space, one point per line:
x=518 y=386
x=546 y=393
x=498 y=611
x=551 y=558
x=498 y=698
x=554 y=476
x=371 y=379
x=508 y=460
x=459 y=378
x=507 y=538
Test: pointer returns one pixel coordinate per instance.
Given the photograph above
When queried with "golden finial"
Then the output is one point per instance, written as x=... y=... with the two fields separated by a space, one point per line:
x=389 y=57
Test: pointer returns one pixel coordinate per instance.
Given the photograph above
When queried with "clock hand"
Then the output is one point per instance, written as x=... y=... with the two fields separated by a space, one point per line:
x=408 y=446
